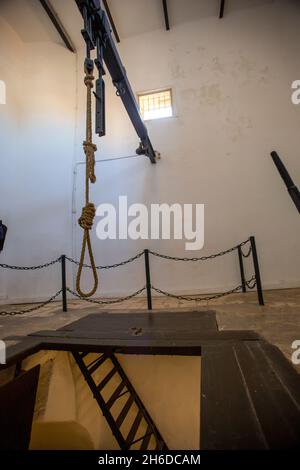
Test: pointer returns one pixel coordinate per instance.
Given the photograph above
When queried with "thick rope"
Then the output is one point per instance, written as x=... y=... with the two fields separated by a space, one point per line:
x=88 y=212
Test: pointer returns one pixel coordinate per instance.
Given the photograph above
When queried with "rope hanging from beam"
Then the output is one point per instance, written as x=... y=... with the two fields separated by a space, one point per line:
x=88 y=211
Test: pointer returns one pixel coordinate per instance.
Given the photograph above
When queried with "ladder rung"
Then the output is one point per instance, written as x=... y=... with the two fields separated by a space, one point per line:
x=146 y=438
x=94 y=365
x=134 y=428
x=124 y=387
x=115 y=395
x=124 y=393
x=83 y=354
x=107 y=378
x=124 y=411
x=141 y=438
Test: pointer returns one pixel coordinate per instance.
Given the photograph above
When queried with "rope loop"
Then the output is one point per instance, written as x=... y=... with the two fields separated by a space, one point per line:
x=88 y=211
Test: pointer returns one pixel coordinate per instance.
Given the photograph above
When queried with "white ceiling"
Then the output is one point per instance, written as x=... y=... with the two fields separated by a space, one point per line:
x=132 y=17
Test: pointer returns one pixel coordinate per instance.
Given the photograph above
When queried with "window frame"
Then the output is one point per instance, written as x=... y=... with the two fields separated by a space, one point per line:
x=3 y=93
x=153 y=92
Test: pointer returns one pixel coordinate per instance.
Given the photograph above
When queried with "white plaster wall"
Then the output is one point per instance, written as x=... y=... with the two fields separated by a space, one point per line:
x=37 y=127
x=231 y=81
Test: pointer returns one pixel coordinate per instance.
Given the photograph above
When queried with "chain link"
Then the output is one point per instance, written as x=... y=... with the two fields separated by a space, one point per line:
x=202 y=299
x=32 y=309
x=107 y=302
x=30 y=268
x=129 y=260
x=253 y=281
x=116 y=265
x=202 y=258
x=247 y=254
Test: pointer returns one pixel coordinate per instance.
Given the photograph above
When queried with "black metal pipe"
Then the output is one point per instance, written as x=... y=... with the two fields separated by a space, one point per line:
x=241 y=263
x=64 y=283
x=291 y=187
x=222 y=6
x=166 y=14
x=257 y=272
x=148 y=279
x=57 y=24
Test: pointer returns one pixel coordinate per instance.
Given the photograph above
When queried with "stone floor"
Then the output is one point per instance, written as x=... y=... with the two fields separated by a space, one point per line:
x=278 y=321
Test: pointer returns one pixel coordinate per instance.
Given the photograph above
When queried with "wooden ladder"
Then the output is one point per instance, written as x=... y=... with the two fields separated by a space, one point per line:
x=142 y=419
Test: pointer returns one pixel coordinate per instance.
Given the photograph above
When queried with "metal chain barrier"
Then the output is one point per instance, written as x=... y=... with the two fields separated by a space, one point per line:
x=202 y=258
x=32 y=309
x=30 y=268
x=116 y=265
x=202 y=299
x=253 y=282
x=107 y=302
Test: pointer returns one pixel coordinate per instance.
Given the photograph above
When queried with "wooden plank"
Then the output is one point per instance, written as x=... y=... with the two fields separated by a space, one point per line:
x=111 y=20
x=286 y=373
x=172 y=322
x=227 y=418
x=191 y=337
x=17 y=352
x=57 y=24
x=167 y=347
x=278 y=413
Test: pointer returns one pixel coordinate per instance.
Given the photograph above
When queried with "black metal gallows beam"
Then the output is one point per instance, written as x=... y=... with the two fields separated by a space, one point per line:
x=97 y=35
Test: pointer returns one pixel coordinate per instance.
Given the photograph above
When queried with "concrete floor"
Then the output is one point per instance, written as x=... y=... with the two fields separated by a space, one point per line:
x=278 y=321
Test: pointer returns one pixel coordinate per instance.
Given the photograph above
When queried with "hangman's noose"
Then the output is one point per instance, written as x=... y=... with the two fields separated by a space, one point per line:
x=88 y=212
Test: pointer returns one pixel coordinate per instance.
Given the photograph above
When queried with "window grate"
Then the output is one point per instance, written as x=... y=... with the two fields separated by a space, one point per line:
x=156 y=104
x=2 y=92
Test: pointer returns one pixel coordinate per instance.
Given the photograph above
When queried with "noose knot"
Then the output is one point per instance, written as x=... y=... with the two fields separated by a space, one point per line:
x=89 y=150
x=87 y=216
x=89 y=80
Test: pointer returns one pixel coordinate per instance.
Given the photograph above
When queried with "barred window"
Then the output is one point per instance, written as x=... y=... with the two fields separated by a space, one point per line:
x=156 y=104
x=2 y=92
